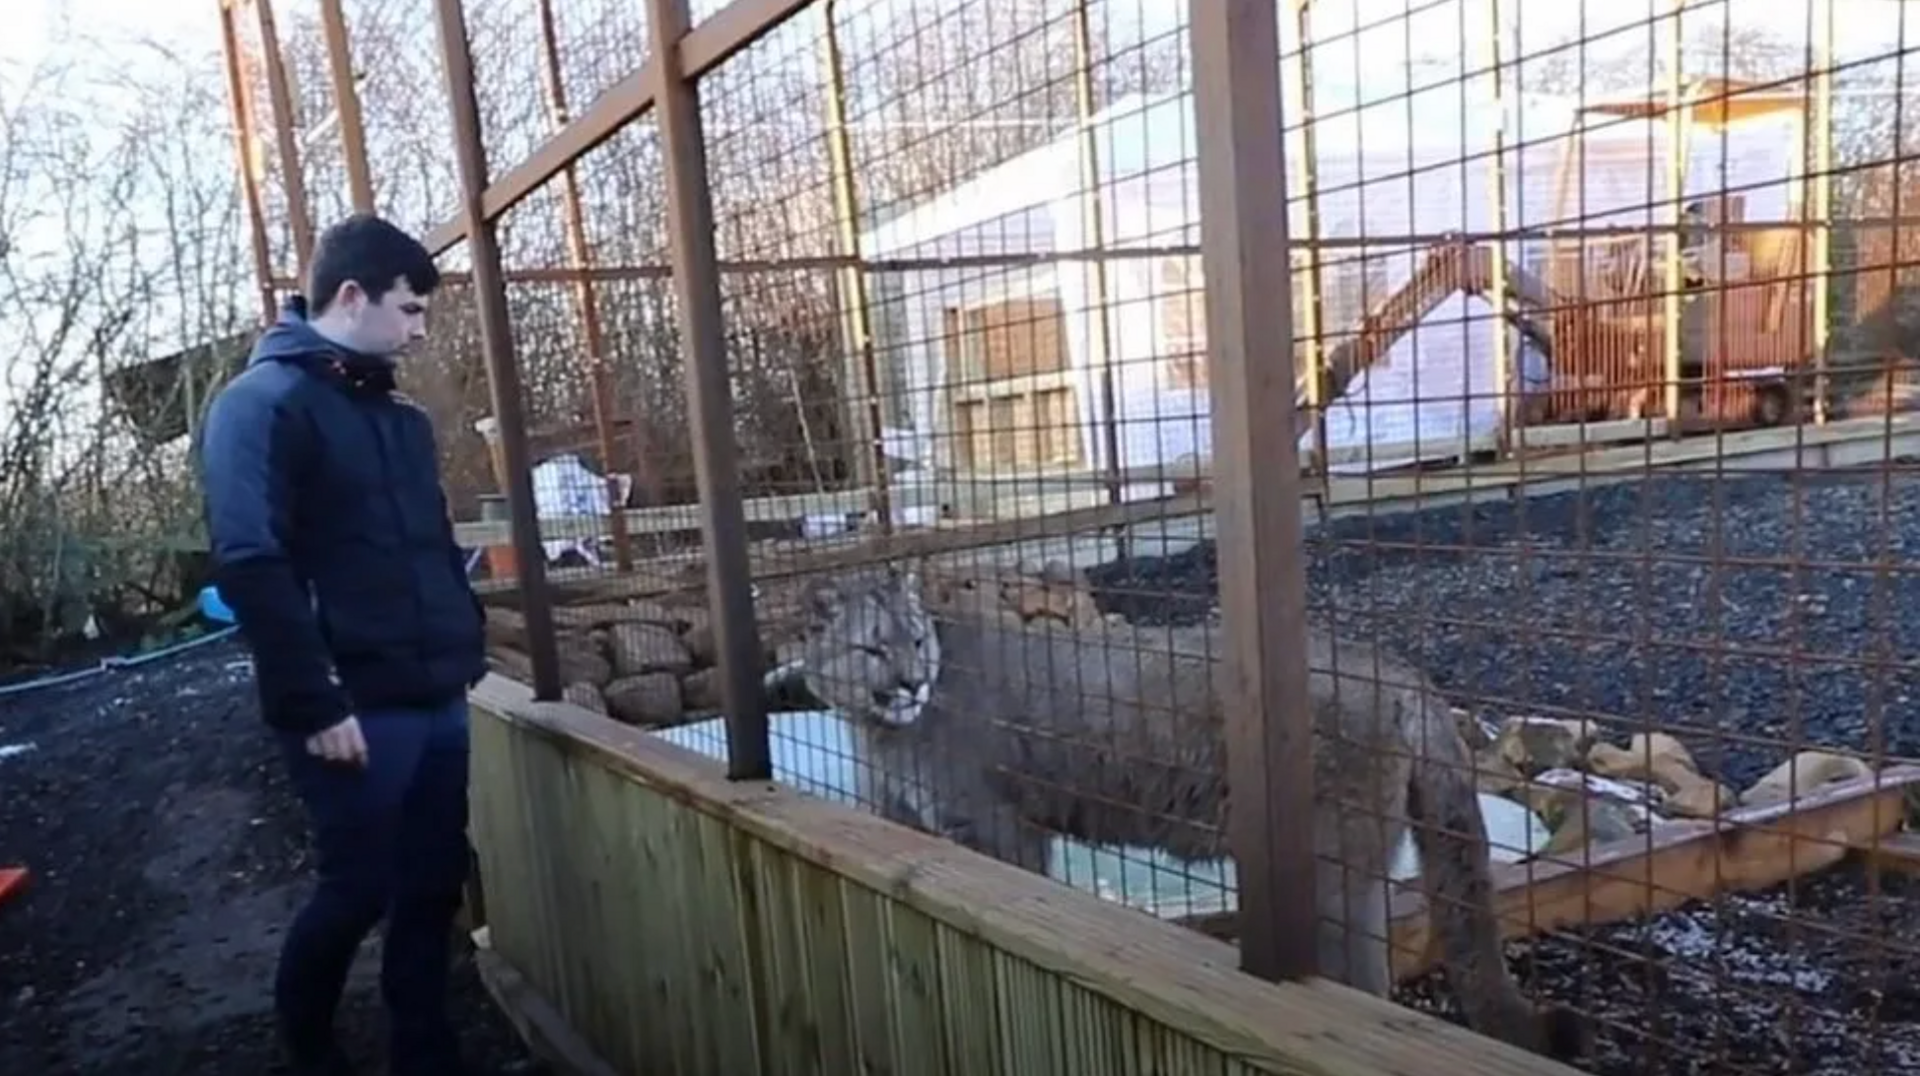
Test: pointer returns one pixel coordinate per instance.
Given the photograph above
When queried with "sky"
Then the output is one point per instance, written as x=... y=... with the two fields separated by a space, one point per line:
x=31 y=21
x=32 y=24
x=1861 y=26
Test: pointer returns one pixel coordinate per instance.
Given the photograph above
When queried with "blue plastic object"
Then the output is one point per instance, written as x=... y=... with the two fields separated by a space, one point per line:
x=213 y=607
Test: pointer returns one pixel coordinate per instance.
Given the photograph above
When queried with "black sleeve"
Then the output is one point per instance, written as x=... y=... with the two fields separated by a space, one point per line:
x=459 y=557
x=479 y=607
x=247 y=456
x=456 y=555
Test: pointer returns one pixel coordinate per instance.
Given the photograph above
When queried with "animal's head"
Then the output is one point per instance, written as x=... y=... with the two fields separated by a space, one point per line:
x=868 y=647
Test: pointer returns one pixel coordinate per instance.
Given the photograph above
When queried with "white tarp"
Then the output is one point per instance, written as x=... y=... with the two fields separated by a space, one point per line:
x=566 y=486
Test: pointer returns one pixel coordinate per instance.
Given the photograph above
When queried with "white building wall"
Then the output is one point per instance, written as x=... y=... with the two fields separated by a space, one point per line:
x=1436 y=387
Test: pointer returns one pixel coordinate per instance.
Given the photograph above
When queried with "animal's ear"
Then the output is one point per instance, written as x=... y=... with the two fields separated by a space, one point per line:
x=821 y=599
x=906 y=574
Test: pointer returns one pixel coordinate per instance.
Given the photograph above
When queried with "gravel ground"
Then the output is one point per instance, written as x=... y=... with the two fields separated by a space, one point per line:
x=1733 y=612
x=1672 y=604
x=1817 y=978
x=168 y=853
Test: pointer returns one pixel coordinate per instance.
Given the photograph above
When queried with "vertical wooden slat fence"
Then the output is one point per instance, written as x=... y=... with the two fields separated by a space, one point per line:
x=680 y=922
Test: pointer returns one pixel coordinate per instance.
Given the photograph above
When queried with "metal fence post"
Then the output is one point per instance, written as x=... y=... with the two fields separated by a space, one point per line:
x=496 y=343
x=346 y=99
x=1245 y=260
x=696 y=279
x=246 y=146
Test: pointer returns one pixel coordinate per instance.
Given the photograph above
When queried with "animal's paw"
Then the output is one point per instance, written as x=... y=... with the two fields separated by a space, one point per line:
x=1568 y=1034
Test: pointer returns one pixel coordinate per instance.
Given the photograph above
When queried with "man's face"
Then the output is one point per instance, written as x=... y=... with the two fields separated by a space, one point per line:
x=387 y=327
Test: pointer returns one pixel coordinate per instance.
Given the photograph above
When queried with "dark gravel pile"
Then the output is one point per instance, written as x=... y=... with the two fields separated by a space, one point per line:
x=168 y=853
x=1742 y=614
x=1817 y=978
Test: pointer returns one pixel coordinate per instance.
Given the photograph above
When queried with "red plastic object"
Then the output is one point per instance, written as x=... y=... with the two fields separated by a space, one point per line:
x=12 y=881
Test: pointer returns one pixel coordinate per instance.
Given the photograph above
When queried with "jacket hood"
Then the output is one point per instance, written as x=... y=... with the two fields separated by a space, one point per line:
x=292 y=338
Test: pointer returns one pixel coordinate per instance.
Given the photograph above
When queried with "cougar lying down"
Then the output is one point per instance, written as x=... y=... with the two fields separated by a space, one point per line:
x=998 y=736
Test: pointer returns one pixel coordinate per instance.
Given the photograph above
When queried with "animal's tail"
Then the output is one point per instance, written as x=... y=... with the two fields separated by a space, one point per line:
x=1457 y=878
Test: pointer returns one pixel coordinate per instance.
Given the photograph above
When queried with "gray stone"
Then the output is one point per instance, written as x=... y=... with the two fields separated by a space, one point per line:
x=648 y=699
x=647 y=648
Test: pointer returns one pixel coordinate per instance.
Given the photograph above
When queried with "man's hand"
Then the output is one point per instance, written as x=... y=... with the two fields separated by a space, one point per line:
x=341 y=743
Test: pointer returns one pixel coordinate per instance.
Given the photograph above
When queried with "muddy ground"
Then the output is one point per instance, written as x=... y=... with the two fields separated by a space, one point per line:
x=168 y=854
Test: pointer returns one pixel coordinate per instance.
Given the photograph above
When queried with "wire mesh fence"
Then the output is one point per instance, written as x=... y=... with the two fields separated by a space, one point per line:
x=1602 y=346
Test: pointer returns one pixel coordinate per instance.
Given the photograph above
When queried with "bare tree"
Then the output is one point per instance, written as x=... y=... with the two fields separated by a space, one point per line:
x=120 y=244
x=938 y=95
x=125 y=240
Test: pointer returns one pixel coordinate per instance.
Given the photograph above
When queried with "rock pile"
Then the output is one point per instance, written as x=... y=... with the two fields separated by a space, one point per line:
x=650 y=662
x=645 y=663
x=1050 y=591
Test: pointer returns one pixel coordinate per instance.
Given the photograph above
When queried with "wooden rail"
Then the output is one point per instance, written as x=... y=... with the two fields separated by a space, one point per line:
x=1748 y=849
x=916 y=492
x=679 y=923
x=1836 y=446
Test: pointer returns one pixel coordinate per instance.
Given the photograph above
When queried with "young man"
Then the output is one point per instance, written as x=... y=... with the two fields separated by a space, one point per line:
x=332 y=545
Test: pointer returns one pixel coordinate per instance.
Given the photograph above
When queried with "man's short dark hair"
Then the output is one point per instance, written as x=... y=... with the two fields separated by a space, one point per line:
x=373 y=253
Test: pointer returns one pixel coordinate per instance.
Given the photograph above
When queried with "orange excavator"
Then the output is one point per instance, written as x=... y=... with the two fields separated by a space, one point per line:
x=1604 y=353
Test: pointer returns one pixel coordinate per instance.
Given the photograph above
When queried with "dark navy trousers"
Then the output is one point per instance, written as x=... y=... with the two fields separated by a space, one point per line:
x=392 y=843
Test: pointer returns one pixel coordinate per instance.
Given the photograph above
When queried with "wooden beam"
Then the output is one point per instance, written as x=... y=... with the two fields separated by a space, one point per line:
x=346 y=98
x=1673 y=277
x=246 y=144
x=704 y=48
x=1749 y=848
x=496 y=343
x=710 y=415
x=1256 y=423
x=293 y=176
x=1838 y=445
x=539 y=1024
x=861 y=408
x=587 y=300
x=1896 y=852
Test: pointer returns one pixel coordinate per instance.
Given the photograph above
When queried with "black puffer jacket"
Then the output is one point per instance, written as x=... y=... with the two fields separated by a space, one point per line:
x=330 y=534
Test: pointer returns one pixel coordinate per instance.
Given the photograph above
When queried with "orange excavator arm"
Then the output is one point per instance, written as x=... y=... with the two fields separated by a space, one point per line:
x=1453 y=266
